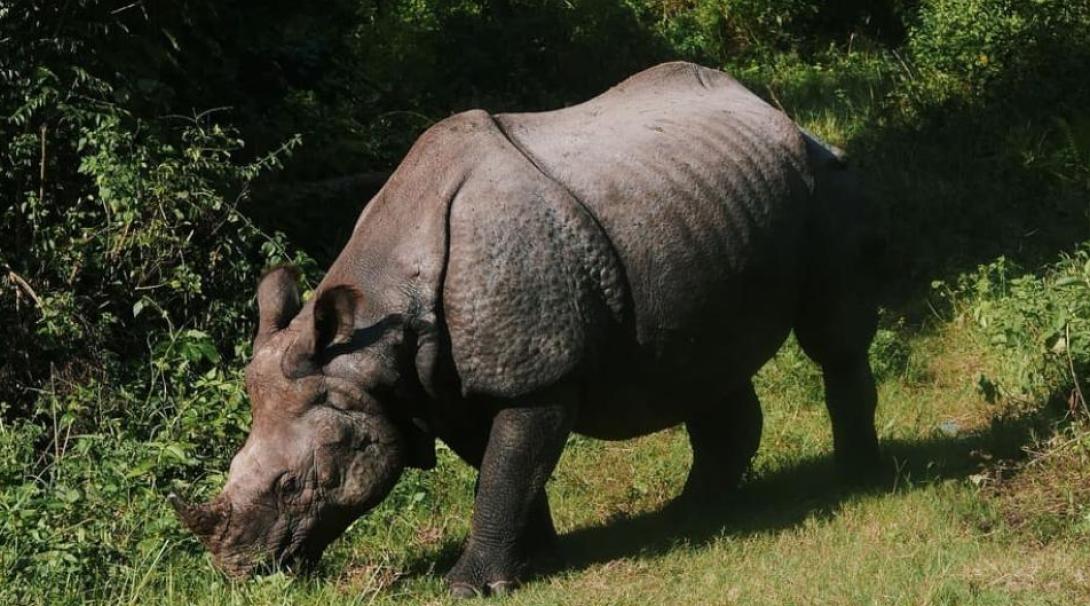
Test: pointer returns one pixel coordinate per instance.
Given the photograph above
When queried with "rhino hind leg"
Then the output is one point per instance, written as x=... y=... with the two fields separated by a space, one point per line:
x=511 y=514
x=836 y=333
x=851 y=397
x=724 y=438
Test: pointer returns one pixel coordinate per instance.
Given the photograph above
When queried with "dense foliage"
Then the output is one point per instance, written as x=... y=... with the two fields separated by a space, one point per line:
x=134 y=220
x=1040 y=323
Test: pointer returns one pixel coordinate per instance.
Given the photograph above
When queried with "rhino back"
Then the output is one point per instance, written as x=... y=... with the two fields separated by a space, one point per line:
x=701 y=188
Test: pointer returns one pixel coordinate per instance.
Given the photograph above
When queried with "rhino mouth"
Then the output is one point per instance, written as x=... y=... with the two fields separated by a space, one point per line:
x=299 y=549
x=299 y=559
x=291 y=550
x=295 y=558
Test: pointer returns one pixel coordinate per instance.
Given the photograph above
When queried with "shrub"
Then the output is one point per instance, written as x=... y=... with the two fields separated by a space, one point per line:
x=1039 y=324
x=126 y=274
x=977 y=50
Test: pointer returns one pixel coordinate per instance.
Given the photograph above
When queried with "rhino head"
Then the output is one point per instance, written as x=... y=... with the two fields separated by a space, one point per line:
x=323 y=448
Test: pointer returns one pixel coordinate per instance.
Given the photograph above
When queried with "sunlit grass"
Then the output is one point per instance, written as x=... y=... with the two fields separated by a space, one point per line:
x=797 y=536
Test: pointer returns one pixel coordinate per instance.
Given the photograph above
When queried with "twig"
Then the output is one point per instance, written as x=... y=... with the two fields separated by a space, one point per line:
x=41 y=169
x=198 y=116
x=18 y=280
x=1071 y=367
x=904 y=64
x=775 y=99
x=934 y=311
x=118 y=11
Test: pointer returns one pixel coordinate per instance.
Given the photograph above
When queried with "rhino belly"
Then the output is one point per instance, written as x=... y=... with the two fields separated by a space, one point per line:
x=646 y=384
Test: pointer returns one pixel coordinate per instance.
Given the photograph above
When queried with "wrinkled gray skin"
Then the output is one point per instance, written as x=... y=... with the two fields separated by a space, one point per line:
x=613 y=268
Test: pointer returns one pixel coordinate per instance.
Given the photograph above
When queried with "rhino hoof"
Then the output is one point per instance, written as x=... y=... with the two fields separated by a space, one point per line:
x=502 y=588
x=495 y=588
x=465 y=591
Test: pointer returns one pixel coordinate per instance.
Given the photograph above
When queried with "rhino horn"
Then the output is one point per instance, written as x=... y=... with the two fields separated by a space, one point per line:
x=202 y=520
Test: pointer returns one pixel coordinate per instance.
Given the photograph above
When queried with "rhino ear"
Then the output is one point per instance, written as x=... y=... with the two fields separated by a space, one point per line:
x=335 y=312
x=335 y=316
x=277 y=302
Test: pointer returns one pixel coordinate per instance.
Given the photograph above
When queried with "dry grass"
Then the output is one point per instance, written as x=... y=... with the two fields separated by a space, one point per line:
x=1048 y=496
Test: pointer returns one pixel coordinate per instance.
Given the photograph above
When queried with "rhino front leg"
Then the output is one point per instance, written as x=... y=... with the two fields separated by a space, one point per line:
x=524 y=446
x=469 y=442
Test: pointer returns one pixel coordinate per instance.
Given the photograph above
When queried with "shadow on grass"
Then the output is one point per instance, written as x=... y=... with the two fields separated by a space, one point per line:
x=779 y=500
x=785 y=498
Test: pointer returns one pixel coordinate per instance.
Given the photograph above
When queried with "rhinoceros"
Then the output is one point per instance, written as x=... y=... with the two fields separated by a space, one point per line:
x=612 y=269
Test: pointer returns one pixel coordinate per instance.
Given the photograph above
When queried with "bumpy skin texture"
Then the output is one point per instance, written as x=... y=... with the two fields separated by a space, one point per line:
x=613 y=268
x=627 y=264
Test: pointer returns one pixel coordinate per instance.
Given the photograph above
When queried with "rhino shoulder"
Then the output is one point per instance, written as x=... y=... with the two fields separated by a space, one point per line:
x=531 y=280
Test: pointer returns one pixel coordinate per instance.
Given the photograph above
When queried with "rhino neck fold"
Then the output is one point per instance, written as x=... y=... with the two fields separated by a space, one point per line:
x=397 y=257
x=397 y=254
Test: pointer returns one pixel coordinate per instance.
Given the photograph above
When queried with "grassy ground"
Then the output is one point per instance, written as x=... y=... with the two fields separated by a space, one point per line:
x=942 y=535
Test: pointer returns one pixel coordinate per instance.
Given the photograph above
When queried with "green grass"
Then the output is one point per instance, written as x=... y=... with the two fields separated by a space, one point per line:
x=797 y=536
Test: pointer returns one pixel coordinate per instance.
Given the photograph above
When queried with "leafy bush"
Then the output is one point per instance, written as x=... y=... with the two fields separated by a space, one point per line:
x=119 y=230
x=730 y=31
x=126 y=275
x=978 y=50
x=137 y=319
x=1040 y=325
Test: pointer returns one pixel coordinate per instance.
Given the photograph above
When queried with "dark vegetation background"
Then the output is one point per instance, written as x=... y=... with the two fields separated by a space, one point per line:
x=156 y=156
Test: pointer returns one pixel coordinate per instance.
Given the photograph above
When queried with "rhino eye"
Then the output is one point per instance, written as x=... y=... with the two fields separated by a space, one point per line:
x=288 y=484
x=346 y=402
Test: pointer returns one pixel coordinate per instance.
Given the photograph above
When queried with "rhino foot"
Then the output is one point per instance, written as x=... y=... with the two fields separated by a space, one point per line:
x=869 y=470
x=478 y=575
x=463 y=591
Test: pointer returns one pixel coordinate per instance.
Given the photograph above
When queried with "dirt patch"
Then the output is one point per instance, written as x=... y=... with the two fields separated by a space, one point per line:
x=1048 y=494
